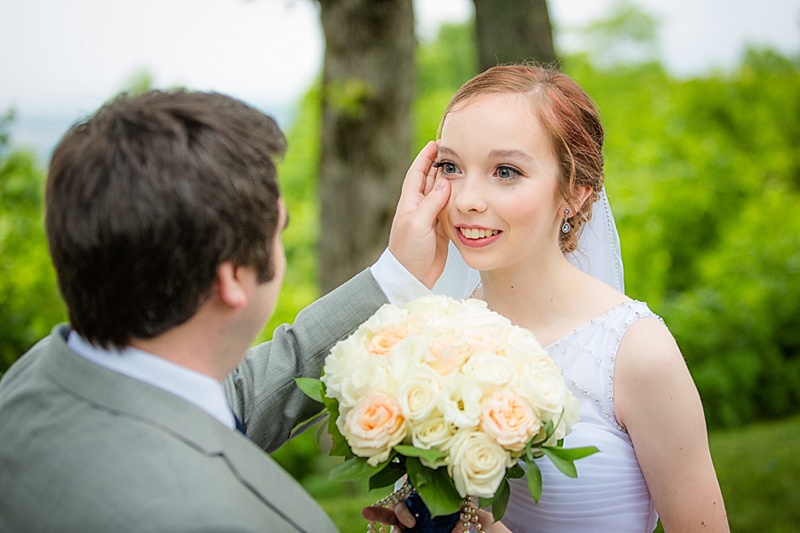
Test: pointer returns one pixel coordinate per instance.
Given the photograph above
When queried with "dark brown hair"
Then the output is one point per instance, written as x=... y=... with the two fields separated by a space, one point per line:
x=146 y=199
x=569 y=116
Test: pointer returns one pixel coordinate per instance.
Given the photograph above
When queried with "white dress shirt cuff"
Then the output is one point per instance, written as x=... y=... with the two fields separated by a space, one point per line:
x=397 y=283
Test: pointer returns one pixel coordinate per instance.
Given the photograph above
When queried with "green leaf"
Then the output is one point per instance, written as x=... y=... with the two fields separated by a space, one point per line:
x=565 y=465
x=564 y=458
x=515 y=472
x=429 y=455
x=577 y=453
x=339 y=446
x=534 y=480
x=312 y=387
x=549 y=428
x=500 y=502
x=355 y=469
x=434 y=487
x=387 y=476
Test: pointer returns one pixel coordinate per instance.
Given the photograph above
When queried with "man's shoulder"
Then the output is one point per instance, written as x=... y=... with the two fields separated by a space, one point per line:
x=111 y=474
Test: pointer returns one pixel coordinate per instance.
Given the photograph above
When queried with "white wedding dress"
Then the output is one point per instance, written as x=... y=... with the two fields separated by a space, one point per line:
x=609 y=494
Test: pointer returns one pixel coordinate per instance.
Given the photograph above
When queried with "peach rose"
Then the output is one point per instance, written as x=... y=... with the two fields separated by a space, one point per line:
x=382 y=343
x=509 y=419
x=373 y=426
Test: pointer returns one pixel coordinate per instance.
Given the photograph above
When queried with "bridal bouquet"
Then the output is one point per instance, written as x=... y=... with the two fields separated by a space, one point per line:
x=452 y=395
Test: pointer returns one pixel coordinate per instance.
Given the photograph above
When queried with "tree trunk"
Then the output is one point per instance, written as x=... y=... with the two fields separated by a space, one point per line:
x=513 y=30
x=367 y=89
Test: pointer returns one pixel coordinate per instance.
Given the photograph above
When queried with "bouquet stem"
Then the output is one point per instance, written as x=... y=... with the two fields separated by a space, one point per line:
x=427 y=523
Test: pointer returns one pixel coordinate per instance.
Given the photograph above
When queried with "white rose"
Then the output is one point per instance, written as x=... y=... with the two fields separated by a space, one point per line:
x=345 y=356
x=386 y=317
x=544 y=385
x=418 y=392
x=460 y=402
x=522 y=348
x=360 y=377
x=476 y=463
x=433 y=432
x=489 y=369
x=373 y=426
x=408 y=354
x=566 y=421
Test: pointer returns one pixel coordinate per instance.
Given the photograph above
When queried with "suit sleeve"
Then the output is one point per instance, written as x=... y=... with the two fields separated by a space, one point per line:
x=262 y=391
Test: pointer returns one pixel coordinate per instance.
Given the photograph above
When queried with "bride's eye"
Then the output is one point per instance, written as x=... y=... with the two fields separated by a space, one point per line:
x=507 y=173
x=446 y=167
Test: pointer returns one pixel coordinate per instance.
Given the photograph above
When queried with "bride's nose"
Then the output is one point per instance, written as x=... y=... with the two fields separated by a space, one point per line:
x=470 y=195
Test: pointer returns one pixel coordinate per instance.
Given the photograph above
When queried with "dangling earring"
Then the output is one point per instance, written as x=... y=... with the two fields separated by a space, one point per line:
x=566 y=226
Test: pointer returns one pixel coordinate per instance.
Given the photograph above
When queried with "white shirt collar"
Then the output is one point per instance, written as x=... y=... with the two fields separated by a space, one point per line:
x=199 y=389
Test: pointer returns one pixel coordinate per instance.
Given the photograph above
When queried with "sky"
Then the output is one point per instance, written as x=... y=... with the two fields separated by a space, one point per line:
x=59 y=60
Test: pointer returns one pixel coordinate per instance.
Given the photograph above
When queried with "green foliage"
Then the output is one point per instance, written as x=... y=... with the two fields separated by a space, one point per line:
x=29 y=301
x=442 y=66
x=297 y=175
x=703 y=176
x=349 y=96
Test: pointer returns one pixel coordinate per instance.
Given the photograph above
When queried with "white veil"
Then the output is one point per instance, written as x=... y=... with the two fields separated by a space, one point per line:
x=598 y=254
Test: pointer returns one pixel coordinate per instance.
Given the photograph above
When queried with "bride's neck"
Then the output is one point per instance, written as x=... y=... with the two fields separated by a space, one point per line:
x=529 y=297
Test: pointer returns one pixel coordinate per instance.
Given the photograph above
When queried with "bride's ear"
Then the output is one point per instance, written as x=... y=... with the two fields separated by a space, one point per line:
x=582 y=193
x=230 y=289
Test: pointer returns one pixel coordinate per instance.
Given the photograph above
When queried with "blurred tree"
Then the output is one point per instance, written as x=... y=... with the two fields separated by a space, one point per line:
x=512 y=31
x=367 y=90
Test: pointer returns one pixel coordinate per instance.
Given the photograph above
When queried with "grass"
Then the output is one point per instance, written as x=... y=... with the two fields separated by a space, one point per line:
x=759 y=471
x=758 y=468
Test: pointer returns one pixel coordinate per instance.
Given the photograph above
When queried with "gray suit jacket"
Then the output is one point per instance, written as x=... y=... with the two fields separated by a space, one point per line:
x=86 y=449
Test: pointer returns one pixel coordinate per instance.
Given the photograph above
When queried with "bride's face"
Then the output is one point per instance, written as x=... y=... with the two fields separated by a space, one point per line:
x=504 y=207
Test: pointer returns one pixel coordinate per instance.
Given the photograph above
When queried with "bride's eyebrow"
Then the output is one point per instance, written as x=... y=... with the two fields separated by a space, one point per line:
x=444 y=150
x=509 y=154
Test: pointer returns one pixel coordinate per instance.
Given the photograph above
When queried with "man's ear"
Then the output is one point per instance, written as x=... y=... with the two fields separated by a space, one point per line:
x=230 y=288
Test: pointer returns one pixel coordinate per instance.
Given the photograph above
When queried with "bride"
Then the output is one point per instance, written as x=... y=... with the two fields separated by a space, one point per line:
x=521 y=147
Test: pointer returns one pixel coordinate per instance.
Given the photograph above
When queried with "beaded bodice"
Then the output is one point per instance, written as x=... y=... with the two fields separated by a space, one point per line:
x=610 y=493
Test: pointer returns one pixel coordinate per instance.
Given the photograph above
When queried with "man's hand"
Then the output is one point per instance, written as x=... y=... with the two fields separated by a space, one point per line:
x=416 y=239
x=398 y=516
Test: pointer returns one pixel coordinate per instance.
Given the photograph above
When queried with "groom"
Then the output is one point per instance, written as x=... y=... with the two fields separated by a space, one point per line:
x=164 y=221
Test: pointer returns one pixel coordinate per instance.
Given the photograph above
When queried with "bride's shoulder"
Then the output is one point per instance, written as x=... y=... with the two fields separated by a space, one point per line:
x=647 y=347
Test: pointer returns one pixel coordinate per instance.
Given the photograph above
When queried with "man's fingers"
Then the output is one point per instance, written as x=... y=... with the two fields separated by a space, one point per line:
x=430 y=177
x=380 y=514
x=418 y=174
x=434 y=202
x=399 y=515
x=403 y=514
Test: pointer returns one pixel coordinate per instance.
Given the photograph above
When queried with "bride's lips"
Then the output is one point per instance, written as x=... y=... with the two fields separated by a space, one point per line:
x=476 y=236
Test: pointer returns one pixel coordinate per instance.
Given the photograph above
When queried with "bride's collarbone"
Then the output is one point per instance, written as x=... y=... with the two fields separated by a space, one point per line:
x=560 y=321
